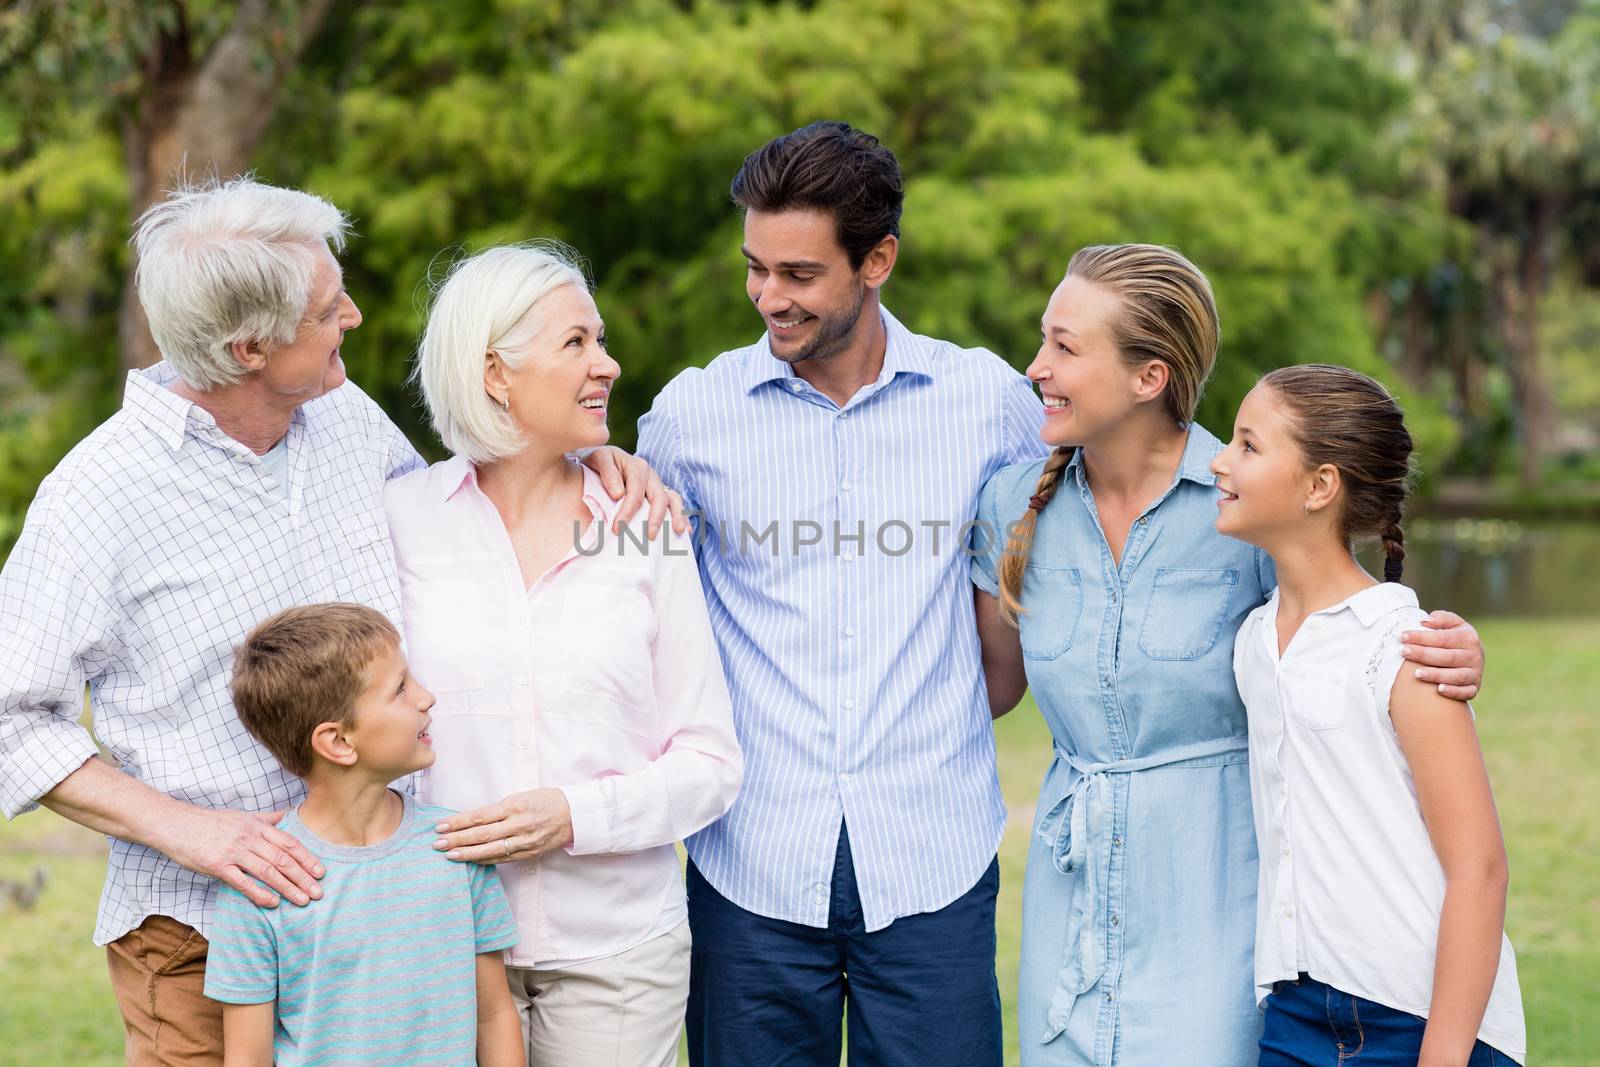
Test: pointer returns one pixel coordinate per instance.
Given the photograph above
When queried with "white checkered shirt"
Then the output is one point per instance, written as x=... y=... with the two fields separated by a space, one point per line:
x=148 y=554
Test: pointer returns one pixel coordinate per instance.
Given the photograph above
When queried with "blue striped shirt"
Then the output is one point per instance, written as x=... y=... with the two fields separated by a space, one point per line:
x=832 y=548
x=383 y=968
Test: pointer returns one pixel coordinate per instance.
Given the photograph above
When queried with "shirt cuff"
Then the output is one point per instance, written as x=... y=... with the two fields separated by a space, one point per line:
x=591 y=828
x=981 y=579
x=38 y=762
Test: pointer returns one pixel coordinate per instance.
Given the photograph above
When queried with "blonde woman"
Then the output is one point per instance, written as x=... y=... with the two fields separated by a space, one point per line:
x=1117 y=602
x=582 y=715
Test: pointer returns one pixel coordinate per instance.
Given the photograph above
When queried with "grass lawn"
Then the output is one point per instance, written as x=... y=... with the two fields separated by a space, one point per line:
x=1538 y=727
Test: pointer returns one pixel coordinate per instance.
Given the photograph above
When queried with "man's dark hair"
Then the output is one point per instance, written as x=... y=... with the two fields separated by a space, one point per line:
x=832 y=167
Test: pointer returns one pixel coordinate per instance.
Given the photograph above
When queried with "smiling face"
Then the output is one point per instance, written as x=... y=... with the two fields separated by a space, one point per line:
x=800 y=280
x=309 y=366
x=1089 y=387
x=1264 y=484
x=390 y=731
x=561 y=388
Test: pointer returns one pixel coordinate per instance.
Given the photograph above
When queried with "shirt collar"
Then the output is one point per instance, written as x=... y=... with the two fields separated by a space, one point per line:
x=458 y=472
x=148 y=399
x=1368 y=606
x=1374 y=602
x=904 y=353
x=1199 y=450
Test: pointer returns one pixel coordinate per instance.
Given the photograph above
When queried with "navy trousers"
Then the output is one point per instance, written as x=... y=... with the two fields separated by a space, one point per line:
x=769 y=993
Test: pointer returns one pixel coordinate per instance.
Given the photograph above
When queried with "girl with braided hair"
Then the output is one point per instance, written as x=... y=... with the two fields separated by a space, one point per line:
x=1382 y=887
x=1115 y=599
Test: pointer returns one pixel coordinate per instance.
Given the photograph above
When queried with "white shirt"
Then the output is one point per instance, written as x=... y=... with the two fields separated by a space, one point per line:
x=147 y=555
x=602 y=679
x=1350 y=890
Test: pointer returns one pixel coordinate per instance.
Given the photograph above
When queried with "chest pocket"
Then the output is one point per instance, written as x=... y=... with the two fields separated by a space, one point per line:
x=608 y=633
x=443 y=618
x=363 y=562
x=1054 y=599
x=1317 y=696
x=1188 y=608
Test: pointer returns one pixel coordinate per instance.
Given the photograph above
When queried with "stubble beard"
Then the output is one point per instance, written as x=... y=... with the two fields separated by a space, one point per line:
x=832 y=333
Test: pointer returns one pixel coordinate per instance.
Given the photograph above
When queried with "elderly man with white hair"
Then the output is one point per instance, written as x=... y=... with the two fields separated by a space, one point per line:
x=242 y=475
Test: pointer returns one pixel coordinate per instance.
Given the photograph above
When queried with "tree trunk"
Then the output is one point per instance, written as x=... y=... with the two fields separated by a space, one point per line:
x=205 y=116
x=1529 y=388
x=1416 y=353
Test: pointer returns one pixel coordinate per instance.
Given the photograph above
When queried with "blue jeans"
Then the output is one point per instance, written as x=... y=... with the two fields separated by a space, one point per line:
x=920 y=992
x=1311 y=1024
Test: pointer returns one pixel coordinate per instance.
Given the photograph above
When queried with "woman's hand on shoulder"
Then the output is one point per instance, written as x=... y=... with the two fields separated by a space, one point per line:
x=1446 y=653
x=523 y=826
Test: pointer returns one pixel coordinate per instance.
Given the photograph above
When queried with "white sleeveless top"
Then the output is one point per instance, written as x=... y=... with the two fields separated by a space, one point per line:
x=1350 y=890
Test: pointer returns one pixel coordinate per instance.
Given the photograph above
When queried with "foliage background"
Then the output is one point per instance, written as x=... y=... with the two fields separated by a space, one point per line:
x=1304 y=152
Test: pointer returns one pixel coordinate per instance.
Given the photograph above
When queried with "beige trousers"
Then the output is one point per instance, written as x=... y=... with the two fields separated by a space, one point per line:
x=623 y=1011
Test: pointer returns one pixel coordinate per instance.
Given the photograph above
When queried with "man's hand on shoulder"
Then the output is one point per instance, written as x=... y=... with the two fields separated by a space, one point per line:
x=241 y=849
x=630 y=480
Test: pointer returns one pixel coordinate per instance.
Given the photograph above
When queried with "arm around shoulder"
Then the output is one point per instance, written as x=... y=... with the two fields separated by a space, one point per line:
x=1004 y=672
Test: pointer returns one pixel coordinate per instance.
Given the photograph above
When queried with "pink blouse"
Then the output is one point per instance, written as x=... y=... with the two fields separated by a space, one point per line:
x=602 y=680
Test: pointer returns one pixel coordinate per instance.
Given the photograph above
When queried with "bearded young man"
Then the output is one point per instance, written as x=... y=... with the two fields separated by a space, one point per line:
x=856 y=871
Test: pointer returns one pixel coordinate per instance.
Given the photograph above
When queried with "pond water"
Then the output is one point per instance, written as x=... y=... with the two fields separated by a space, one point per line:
x=1483 y=567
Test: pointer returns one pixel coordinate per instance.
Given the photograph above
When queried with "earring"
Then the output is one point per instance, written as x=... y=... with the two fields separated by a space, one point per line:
x=1308 y=509
x=505 y=402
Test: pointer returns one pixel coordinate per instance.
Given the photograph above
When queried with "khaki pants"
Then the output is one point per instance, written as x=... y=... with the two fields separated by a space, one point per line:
x=623 y=1011
x=158 y=973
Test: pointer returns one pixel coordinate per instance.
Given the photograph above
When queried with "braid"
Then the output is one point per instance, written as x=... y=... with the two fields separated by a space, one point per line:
x=1013 y=564
x=1394 y=551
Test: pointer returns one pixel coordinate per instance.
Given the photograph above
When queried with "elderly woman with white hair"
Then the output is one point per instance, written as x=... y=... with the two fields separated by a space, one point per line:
x=582 y=713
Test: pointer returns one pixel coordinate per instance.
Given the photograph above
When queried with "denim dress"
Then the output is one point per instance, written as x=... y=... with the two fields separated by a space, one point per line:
x=1139 y=901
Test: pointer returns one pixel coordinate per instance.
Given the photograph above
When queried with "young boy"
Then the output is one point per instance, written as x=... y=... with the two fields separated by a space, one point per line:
x=382 y=969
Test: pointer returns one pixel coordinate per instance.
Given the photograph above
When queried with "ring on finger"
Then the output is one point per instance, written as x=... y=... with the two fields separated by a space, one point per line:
x=507 y=849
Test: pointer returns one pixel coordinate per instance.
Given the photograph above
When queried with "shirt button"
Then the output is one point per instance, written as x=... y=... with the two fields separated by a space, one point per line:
x=849 y=631
x=822 y=894
x=1144 y=520
x=849 y=705
x=848 y=556
x=1285 y=850
x=524 y=744
x=522 y=679
x=844 y=487
x=845 y=777
x=1116 y=920
x=1288 y=913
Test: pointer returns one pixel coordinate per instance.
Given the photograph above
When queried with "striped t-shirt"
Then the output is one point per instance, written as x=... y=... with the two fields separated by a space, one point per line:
x=382 y=969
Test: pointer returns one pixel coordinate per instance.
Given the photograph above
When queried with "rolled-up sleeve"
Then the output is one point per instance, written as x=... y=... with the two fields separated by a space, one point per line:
x=695 y=778
x=49 y=618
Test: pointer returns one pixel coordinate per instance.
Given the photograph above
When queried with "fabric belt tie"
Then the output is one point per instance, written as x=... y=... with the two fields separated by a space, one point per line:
x=1077 y=827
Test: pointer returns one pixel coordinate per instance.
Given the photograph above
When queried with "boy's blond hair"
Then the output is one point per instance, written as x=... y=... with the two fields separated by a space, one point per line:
x=304 y=667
